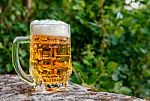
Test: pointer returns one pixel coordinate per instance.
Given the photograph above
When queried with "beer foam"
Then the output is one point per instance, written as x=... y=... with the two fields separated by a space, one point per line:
x=49 y=27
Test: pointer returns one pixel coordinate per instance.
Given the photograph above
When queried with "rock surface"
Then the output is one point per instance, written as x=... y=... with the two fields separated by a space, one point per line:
x=14 y=89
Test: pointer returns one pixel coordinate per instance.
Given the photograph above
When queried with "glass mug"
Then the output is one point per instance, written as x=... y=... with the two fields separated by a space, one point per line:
x=50 y=55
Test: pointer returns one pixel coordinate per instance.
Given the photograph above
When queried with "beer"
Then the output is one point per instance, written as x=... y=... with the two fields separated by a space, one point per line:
x=50 y=59
x=50 y=55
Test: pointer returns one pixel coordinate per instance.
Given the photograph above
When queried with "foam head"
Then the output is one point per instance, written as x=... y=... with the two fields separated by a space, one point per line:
x=49 y=27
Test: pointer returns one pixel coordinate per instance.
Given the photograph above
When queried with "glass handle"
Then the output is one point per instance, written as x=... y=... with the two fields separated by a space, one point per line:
x=15 y=58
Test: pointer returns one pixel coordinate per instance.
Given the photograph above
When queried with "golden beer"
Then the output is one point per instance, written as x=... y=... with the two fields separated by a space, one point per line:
x=50 y=55
x=50 y=59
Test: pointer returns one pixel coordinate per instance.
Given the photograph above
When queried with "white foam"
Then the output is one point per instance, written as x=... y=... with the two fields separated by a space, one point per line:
x=49 y=27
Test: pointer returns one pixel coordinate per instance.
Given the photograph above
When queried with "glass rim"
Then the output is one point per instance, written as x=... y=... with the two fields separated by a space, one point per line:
x=50 y=24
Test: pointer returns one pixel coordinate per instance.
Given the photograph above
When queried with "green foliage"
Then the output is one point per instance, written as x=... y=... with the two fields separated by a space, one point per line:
x=110 y=44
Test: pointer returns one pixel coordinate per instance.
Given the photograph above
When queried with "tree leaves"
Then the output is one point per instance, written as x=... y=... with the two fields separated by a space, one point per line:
x=110 y=48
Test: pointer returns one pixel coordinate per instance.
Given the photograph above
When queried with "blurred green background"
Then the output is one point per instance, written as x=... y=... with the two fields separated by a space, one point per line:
x=110 y=40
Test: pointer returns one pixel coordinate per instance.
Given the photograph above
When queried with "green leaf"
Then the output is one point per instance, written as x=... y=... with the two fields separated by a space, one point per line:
x=145 y=30
x=112 y=66
x=76 y=7
x=9 y=67
x=115 y=77
x=117 y=87
x=23 y=53
x=118 y=32
x=125 y=90
x=1 y=45
x=144 y=51
x=86 y=62
x=92 y=14
x=13 y=17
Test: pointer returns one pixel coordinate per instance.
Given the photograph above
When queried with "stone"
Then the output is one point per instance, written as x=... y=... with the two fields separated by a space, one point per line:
x=12 y=88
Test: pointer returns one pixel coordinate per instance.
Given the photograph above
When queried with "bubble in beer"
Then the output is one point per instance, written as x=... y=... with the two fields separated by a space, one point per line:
x=50 y=28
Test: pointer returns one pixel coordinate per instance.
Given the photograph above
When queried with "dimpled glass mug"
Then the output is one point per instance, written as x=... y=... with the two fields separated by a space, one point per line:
x=50 y=55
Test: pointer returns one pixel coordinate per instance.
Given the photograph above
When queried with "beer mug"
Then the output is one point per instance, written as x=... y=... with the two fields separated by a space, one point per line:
x=50 y=54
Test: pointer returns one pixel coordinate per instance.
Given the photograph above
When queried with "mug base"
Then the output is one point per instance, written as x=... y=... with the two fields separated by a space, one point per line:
x=50 y=88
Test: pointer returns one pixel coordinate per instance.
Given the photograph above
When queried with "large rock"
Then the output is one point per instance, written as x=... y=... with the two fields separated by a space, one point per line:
x=14 y=89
